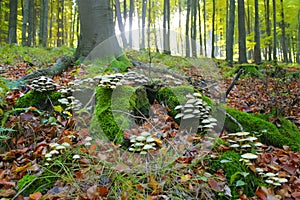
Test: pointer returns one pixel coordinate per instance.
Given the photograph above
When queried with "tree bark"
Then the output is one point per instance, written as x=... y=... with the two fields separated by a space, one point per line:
x=43 y=23
x=242 y=32
x=120 y=23
x=213 y=30
x=298 y=41
x=230 y=33
x=12 y=27
x=25 y=23
x=166 y=27
x=200 y=29
x=187 y=25
x=274 y=33
x=268 y=29
x=131 y=10
x=257 y=52
x=144 y=11
x=284 y=45
x=204 y=19
x=194 y=28
x=96 y=26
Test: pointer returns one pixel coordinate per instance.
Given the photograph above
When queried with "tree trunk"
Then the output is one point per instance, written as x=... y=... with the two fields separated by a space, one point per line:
x=257 y=52
x=144 y=10
x=131 y=10
x=12 y=27
x=31 y=24
x=200 y=29
x=194 y=28
x=268 y=29
x=166 y=27
x=274 y=32
x=120 y=23
x=25 y=23
x=213 y=30
x=94 y=12
x=204 y=19
x=298 y=41
x=284 y=46
x=230 y=33
x=187 y=28
x=43 y=23
x=242 y=32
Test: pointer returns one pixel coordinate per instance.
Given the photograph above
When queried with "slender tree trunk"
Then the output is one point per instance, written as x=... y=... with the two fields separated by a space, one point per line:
x=204 y=19
x=213 y=30
x=131 y=10
x=194 y=28
x=144 y=10
x=187 y=28
x=12 y=27
x=257 y=52
x=284 y=46
x=268 y=28
x=274 y=32
x=125 y=12
x=31 y=38
x=242 y=32
x=43 y=23
x=25 y=23
x=200 y=28
x=298 y=40
x=230 y=33
x=120 y=23
x=166 y=27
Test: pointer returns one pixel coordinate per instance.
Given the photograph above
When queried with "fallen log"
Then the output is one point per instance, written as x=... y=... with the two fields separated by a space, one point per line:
x=61 y=64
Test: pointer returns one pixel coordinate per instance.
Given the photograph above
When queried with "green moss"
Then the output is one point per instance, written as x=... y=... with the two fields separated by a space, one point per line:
x=40 y=100
x=173 y=96
x=119 y=64
x=113 y=110
x=249 y=69
x=235 y=171
x=271 y=135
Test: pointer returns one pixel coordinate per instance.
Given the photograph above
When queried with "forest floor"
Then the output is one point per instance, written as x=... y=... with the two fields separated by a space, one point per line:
x=89 y=168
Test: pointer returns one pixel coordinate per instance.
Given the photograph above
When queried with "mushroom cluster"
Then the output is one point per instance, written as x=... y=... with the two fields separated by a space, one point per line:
x=271 y=178
x=243 y=142
x=196 y=108
x=142 y=143
x=71 y=103
x=56 y=149
x=43 y=84
x=110 y=81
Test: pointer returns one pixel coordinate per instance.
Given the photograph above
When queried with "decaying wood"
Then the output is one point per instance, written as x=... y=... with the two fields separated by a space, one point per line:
x=60 y=65
x=234 y=81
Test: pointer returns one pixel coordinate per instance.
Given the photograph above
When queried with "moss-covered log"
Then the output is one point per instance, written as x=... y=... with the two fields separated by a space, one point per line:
x=40 y=100
x=287 y=134
x=116 y=110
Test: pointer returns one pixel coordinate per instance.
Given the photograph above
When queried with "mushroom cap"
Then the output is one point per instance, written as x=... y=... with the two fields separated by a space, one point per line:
x=188 y=116
x=145 y=134
x=150 y=139
x=249 y=156
x=140 y=138
x=148 y=147
x=234 y=145
x=76 y=156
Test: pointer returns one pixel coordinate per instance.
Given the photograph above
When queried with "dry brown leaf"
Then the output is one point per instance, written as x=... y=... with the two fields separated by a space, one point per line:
x=35 y=196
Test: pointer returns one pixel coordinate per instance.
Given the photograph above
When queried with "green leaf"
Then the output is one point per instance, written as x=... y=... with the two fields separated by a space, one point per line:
x=240 y=183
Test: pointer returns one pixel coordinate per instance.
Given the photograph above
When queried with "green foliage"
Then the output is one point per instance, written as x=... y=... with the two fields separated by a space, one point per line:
x=39 y=100
x=13 y=54
x=287 y=134
x=173 y=96
x=237 y=173
x=24 y=184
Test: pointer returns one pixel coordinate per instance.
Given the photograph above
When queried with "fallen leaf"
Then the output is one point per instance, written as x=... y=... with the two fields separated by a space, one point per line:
x=35 y=196
x=214 y=185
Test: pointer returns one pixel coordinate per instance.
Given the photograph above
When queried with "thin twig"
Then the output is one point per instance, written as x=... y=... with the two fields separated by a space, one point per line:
x=234 y=81
x=232 y=119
